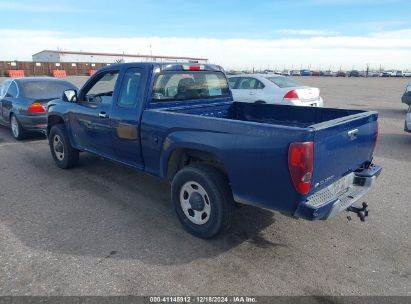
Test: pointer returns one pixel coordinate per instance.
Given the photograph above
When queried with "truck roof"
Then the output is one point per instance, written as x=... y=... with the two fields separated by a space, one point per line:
x=172 y=66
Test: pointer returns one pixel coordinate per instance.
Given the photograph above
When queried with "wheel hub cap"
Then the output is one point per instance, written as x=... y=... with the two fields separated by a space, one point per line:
x=195 y=203
x=58 y=147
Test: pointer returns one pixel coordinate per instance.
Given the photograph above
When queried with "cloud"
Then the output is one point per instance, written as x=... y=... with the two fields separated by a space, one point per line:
x=306 y=32
x=389 y=49
x=398 y=34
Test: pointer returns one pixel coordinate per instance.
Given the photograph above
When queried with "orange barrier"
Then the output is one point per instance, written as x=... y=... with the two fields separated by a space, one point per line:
x=59 y=73
x=91 y=72
x=15 y=73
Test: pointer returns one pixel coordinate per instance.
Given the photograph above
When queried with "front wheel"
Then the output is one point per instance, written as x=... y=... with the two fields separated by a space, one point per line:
x=64 y=155
x=203 y=200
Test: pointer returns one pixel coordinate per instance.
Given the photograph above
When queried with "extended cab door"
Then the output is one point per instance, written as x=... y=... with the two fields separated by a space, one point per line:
x=126 y=116
x=90 y=115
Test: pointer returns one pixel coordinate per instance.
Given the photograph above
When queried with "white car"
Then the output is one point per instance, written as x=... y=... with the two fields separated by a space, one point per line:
x=273 y=89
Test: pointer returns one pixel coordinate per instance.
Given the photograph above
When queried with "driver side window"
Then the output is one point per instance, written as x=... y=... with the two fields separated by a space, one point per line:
x=101 y=92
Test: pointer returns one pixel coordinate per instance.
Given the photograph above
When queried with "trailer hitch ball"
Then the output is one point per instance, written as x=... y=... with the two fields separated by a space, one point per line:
x=361 y=212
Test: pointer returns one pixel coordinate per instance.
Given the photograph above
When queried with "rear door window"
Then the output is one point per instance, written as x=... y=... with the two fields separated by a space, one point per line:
x=259 y=85
x=13 y=90
x=247 y=83
x=232 y=82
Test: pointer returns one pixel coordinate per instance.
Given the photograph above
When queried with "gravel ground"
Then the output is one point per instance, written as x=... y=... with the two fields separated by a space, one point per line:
x=103 y=229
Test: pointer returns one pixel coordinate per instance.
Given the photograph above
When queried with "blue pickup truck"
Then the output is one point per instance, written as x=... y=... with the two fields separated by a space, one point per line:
x=178 y=121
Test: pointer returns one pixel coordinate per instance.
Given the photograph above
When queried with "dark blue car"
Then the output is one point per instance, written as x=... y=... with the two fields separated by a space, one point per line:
x=23 y=100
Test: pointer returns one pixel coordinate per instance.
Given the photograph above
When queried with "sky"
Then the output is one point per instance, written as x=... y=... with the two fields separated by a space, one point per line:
x=237 y=34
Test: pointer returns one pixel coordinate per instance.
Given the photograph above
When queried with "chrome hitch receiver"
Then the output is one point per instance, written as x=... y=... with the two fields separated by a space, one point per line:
x=361 y=212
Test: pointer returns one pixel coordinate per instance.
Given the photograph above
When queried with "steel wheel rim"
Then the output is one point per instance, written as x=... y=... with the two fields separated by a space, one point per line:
x=14 y=126
x=192 y=190
x=58 y=147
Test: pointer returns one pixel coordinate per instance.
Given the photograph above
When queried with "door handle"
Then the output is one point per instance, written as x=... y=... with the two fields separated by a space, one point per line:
x=251 y=93
x=103 y=115
x=353 y=134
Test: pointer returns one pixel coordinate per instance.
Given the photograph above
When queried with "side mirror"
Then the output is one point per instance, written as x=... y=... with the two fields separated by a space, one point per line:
x=70 y=95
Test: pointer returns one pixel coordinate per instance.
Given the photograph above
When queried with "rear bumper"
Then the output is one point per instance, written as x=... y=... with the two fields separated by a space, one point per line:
x=331 y=201
x=37 y=123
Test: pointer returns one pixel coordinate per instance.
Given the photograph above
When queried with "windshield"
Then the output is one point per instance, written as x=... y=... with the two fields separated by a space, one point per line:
x=284 y=82
x=170 y=86
x=45 y=89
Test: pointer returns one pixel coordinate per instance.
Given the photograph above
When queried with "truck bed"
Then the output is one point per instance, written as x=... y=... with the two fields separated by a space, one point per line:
x=301 y=117
x=343 y=139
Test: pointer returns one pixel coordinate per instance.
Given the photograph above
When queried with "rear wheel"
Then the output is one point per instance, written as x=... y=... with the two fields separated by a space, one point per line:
x=16 y=129
x=64 y=155
x=203 y=200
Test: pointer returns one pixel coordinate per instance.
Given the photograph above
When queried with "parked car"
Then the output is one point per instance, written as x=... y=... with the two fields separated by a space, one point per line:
x=354 y=73
x=179 y=122
x=399 y=74
x=327 y=73
x=407 y=74
x=23 y=100
x=273 y=89
x=406 y=97
x=315 y=73
x=285 y=73
x=385 y=74
x=407 y=124
x=373 y=74
x=295 y=73
x=306 y=73
x=341 y=74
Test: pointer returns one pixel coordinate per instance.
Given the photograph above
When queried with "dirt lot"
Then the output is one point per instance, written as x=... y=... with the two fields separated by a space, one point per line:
x=103 y=229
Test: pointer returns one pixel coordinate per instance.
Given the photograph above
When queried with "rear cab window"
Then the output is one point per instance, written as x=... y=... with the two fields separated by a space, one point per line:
x=189 y=85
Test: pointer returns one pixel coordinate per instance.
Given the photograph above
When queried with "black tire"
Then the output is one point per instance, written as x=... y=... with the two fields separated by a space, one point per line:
x=218 y=197
x=64 y=155
x=16 y=128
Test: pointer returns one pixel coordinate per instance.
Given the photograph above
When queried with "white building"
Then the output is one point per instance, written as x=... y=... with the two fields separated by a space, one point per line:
x=89 y=57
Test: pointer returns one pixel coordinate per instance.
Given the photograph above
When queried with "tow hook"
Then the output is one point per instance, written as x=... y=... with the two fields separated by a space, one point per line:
x=361 y=212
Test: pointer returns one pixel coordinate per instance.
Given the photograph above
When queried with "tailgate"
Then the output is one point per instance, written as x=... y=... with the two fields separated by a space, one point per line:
x=342 y=146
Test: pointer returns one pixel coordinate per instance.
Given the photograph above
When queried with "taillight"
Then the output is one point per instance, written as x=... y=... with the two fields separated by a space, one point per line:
x=193 y=67
x=36 y=107
x=301 y=164
x=291 y=95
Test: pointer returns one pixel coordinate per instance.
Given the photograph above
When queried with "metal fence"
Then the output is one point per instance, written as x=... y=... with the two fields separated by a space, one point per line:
x=46 y=68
